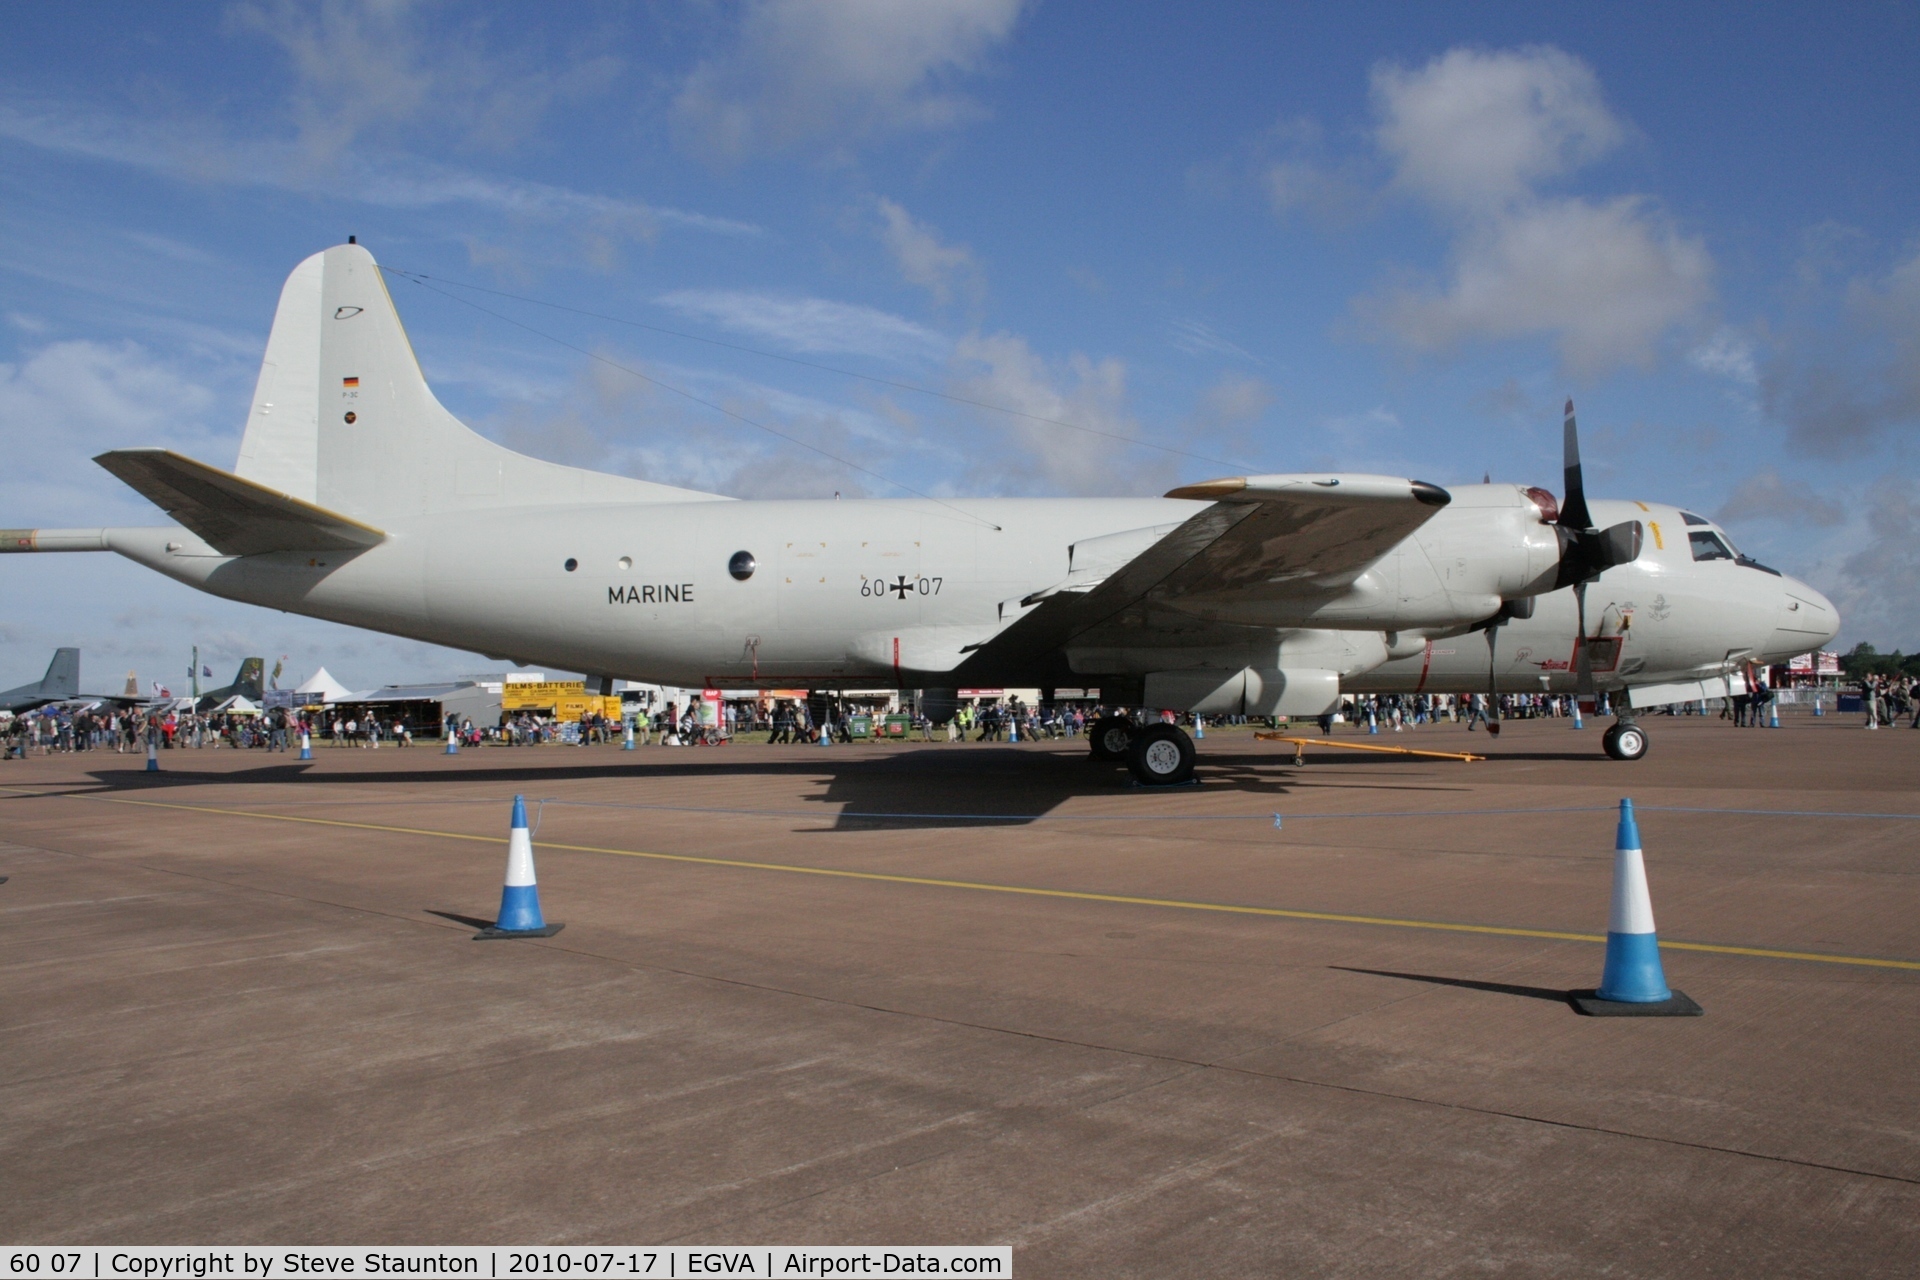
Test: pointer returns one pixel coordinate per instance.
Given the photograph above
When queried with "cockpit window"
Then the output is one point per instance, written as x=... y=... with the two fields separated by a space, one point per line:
x=1690 y=518
x=1711 y=544
x=1707 y=546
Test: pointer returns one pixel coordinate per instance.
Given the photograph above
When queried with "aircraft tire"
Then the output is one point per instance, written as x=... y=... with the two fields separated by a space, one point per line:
x=1161 y=755
x=1109 y=737
x=1625 y=741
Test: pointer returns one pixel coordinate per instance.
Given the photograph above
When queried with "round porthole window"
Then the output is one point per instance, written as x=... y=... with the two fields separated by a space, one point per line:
x=350 y=415
x=742 y=565
x=572 y=564
x=626 y=562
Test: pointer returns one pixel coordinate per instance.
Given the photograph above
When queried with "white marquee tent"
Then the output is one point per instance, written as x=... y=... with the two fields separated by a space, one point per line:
x=322 y=688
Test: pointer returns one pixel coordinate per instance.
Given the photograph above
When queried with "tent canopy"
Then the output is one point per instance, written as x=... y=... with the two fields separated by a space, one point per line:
x=323 y=688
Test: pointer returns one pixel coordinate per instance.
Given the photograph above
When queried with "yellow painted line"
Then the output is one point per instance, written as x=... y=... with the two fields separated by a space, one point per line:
x=1078 y=895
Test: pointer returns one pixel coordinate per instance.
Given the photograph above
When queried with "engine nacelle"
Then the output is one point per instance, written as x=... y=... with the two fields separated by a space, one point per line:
x=1250 y=691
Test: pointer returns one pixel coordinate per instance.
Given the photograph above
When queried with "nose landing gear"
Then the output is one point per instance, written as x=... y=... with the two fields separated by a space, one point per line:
x=1625 y=740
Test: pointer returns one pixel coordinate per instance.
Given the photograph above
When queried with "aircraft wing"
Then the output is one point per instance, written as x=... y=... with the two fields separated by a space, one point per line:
x=1265 y=537
x=232 y=515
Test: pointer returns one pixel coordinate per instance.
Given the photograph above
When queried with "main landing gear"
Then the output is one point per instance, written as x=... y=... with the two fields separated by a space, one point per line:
x=1158 y=755
x=1109 y=737
x=1625 y=741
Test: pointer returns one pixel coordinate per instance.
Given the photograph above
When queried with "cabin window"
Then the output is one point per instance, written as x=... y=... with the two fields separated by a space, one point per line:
x=1690 y=518
x=1708 y=546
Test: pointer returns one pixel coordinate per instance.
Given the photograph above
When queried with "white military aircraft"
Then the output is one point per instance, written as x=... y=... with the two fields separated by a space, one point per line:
x=358 y=498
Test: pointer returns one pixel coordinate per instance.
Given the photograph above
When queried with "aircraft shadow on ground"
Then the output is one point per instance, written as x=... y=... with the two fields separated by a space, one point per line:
x=939 y=786
x=1553 y=994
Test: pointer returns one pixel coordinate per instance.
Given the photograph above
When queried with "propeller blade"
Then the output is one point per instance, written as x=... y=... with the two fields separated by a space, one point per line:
x=1493 y=683
x=1573 y=512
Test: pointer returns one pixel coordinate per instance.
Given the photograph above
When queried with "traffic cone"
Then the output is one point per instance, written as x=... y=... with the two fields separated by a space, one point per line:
x=1632 y=983
x=520 y=897
x=1373 y=721
x=1773 y=713
x=1819 y=708
x=306 y=745
x=453 y=743
x=1578 y=723
x=153 y=753
x=1199 y=728
x=628 y=744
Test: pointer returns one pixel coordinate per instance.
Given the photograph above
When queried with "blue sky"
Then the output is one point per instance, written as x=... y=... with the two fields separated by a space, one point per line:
x=1374 y=238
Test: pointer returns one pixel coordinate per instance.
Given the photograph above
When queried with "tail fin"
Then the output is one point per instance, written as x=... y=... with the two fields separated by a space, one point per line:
x=63 y=675
x=343 y=418
x=248 y=682
x=133 y=686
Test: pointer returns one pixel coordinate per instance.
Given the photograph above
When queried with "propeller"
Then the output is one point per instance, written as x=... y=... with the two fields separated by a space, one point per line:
x=1585 y=551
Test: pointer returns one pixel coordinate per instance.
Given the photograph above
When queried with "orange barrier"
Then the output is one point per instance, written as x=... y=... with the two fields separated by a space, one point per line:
x=1300 y=748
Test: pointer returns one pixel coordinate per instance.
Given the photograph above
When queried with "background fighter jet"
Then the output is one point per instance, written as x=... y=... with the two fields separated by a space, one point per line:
x=358 y=497
x=61 y=682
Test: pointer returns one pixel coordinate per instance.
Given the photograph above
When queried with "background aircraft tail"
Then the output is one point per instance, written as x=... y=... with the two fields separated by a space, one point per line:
x=342 y=416
x=63 y=675
x=249 y=682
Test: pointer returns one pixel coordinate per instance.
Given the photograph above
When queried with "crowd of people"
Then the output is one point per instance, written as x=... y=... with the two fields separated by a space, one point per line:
x=1884 y=700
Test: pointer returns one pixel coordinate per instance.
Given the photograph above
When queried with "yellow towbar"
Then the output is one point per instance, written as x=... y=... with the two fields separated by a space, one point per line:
x=1300 y=748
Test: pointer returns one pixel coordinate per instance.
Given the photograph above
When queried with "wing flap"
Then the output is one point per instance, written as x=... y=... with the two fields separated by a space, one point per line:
x=1262 y=537
x=233 y=515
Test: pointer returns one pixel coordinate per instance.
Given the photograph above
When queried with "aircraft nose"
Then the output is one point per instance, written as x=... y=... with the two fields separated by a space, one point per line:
x=1807 y=620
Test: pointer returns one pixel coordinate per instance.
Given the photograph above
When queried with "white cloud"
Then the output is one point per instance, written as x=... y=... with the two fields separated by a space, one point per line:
x=1767 y=495
x=1473 y=130
x=1197 y=338
x=68 y=401
x=1606 y=278
x=1844 y=390
x=844 y=70
x=1232 y=401
x=198 y=152
x=1474 y=135
x=1004 y=370
x=813 y=325
x=369 y=67
x=1727 y=355
x=921 y=256
x=1873 y=587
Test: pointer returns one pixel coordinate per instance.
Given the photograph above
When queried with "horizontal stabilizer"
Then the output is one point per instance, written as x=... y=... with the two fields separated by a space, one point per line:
x=234 y=516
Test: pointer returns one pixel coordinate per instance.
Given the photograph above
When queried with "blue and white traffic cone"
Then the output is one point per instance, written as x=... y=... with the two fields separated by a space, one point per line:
x=1773 y=713
x=1819 y=708
x=453 y=743
x=1199 y=728
x=1373 y=721
x=153 y=753
x=1632 y=983
x=1578 y=723
x=628 y=744
x=520 y=897
x=306 y=745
